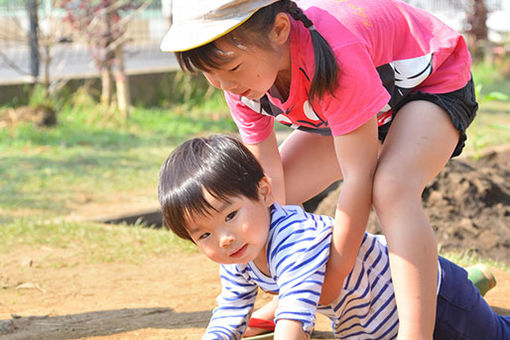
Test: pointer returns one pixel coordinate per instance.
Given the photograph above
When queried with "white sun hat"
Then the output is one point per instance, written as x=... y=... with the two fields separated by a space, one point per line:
x=198 y=22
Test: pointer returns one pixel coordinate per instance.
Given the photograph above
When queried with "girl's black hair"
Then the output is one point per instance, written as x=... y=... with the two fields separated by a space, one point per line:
x=220 y=164
x=255 y=30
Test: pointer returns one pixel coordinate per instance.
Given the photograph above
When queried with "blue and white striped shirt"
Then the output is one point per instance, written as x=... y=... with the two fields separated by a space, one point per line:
x=297 y=252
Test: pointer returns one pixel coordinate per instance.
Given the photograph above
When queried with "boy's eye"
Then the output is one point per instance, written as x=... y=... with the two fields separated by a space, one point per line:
x=230 y=216
x=204 y=236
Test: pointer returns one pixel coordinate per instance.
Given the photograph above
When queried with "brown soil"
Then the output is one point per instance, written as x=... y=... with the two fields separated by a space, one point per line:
x=171 y=297
x=468 y=205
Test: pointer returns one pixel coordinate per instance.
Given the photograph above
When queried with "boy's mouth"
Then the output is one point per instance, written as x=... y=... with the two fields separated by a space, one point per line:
x=239 y=251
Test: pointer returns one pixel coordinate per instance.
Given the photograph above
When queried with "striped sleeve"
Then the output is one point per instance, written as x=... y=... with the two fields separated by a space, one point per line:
x=235 y=304
x=298 y=255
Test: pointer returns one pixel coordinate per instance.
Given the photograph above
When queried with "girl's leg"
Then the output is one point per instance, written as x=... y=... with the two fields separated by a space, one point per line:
x=418 y=145
x=309 y=165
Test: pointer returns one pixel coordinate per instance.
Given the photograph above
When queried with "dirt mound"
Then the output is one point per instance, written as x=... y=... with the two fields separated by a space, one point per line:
x=468 y=205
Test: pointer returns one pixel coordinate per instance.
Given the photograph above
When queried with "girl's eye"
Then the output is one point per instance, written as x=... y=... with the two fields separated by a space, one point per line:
x=230 y=216
x=235 y=68
x=204 y=236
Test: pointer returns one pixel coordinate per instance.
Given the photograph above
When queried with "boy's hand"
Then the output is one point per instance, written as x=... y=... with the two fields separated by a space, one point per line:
x=289 y=330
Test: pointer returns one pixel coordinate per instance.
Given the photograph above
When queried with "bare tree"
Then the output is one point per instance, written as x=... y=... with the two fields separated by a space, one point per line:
x=40 y=41
x=103 y=24
x=476 y=28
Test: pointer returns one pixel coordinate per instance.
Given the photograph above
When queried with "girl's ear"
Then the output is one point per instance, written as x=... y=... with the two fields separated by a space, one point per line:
x=266 y=191
x=281 y=29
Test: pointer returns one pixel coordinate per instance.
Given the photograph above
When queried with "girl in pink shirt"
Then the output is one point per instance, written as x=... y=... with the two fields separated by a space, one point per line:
x=379 y=94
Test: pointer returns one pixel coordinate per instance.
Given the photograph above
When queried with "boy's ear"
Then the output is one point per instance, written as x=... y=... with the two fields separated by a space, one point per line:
x=281 y=29
x=266 y=191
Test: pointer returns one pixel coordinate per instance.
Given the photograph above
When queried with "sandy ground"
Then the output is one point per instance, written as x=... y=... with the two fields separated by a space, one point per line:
x=165 y=298
x=172 y=297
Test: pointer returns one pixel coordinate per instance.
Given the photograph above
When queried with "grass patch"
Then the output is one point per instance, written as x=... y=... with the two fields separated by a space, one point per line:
x=492 y=78
x=91 y=242
x=90 y=159
x=467 y=259
x=491 y=127
x=492 y=124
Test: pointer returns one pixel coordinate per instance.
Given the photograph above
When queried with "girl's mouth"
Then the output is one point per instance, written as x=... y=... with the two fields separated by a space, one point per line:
x=239 y=252
x=245 y=93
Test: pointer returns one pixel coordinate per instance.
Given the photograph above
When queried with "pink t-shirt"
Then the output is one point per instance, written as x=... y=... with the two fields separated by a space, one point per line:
x=384 y=49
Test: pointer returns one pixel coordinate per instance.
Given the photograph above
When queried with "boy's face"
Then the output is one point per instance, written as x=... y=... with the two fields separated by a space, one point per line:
x=236 y=232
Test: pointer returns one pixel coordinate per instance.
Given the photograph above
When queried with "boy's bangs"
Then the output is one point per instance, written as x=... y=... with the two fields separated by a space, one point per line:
x=189 y=201
x=199 y=206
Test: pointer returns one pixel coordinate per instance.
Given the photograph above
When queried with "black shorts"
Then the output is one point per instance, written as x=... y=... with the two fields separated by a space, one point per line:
x=460 y=105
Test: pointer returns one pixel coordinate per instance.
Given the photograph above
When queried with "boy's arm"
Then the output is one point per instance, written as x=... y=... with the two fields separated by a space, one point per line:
x=235 y=304
x=357 y=156
x=297 y=258
x=289 y=330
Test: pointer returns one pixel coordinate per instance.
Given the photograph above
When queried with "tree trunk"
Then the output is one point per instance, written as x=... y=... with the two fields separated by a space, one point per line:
x=107 y=61
x=477 y=31
x=106 y=85
x=47 y=64
x=122 y=83
x=32 y=6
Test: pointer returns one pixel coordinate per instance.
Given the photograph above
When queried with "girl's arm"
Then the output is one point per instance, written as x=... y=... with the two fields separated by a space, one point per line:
x=357 y=156
x=268 y=155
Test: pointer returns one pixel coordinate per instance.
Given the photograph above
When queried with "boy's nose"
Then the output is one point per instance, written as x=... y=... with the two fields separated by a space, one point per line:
x=226 y=240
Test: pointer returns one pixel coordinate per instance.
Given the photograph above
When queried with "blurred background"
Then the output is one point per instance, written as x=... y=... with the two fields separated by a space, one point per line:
x=90 y=108
x=51 y=42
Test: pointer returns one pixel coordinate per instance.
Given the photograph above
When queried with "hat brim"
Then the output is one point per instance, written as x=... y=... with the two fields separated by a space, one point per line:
x=184 y=36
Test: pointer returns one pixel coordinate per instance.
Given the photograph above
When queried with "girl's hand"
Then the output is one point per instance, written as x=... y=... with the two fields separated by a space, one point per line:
x=268 y=155
x=357 y=156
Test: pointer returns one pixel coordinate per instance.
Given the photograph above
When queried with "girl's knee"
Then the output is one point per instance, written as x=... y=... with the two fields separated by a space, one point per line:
x=391 y=189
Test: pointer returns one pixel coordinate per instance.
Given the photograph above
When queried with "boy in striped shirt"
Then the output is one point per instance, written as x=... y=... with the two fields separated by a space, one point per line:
x=214 y=193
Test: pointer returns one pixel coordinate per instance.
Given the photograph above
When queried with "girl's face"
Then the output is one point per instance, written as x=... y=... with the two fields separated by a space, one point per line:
x=236 y=230
x=251 y=71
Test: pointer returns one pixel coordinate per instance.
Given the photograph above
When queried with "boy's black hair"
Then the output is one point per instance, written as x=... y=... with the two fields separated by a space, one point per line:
x=220 y=164
x=255 y=31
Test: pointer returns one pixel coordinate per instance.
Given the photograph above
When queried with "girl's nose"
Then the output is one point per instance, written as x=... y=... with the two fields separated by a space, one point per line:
x=227 y=85
x=219 y=82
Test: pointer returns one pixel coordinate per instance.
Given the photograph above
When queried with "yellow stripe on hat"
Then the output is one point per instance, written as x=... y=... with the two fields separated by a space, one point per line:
x=216 y=36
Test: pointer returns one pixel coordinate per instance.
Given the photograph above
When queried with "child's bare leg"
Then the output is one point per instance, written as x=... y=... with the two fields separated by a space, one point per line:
x=419 y=144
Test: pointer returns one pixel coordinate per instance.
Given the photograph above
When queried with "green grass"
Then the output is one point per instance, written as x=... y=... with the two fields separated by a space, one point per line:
x=492 y=124
x=491 y=127
x=87 y=158
x=92 y=157
x=492 y=78
x=467 y=259
x=90 y=242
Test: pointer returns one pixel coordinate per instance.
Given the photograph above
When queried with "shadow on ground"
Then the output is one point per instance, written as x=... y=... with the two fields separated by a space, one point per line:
x=501 y=311
x=101 y=323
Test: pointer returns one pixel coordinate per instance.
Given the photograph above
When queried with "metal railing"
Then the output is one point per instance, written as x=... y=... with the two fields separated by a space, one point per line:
x=143 y=33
